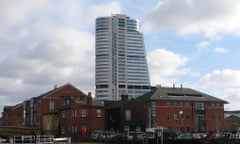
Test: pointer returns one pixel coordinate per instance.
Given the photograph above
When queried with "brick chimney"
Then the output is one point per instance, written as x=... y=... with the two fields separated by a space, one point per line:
x=89 y=98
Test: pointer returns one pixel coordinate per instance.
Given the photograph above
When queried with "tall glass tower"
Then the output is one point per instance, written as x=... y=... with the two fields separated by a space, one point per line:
x=121 y=66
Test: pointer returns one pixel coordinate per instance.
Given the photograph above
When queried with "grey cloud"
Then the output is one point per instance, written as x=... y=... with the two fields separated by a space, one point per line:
x=193 y=16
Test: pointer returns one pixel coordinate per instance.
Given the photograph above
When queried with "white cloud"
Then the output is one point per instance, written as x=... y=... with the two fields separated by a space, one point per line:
x=164 y=65
x=44 y=43
x=17 y=12
x=105 y=9
x=203 y=44
x=224 y=84
x=221 y=50
x=211 y=17
x=226 y=77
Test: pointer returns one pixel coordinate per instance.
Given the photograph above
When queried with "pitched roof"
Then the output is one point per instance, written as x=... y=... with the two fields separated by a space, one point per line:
x=57 y=89
x=233 y=117
x=229 y=113
x=179 y=94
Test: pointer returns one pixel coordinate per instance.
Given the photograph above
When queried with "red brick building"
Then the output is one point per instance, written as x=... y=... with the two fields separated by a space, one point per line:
x=15 y=114
x=184 y=109
x=63 y=111
x=232 y=123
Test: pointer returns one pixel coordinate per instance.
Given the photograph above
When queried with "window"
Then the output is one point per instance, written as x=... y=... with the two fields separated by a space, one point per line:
x=199 y=106
x=153 y=113
x=74 y=113
x=175 y=104
x=66 y=102
x=63 y=114
x=62 y=130
x=51 y=105
x=181 y=104
x=188 y=117
x=168 y=117
x=181 y=117
x=84 y=112
x=168 y=104
x=99 y=113
x=200 y=117
x=127 y=115
x=74 y=129
x=175 y=117
x=187 y=104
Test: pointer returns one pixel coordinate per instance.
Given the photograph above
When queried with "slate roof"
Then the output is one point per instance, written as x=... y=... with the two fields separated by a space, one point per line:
x=117 y=104
x=179 y=94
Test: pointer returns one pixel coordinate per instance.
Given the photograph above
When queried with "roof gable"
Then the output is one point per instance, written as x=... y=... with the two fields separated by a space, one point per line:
x=57 y=89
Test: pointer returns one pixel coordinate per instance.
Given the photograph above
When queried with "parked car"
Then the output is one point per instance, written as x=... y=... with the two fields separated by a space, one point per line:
x=151 y=133
x=139 y=136
x=96 y=135
x=189 y=136
x=109 y=136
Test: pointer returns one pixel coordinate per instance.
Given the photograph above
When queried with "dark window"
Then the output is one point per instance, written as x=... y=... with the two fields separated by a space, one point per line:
x=168 y=117
x=188 y=117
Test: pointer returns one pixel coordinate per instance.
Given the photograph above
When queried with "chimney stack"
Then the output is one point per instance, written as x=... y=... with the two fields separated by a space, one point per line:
x=89 y=94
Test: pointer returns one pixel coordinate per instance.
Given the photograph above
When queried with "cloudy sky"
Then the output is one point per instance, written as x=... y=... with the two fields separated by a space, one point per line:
x=51 y=42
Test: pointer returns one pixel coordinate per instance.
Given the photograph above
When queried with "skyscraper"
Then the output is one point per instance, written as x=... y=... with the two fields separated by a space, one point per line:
x=120 y=66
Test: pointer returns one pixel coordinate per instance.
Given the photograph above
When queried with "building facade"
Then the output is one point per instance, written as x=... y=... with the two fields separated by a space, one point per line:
x=184 y=109
x=126 y=114
x=232 y=121
x=62 y=111
x=121 y=65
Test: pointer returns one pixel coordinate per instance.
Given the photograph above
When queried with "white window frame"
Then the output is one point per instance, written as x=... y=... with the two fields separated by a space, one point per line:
x=98 y=113
x=51 y=105
x=128 y=115
x=84 y=112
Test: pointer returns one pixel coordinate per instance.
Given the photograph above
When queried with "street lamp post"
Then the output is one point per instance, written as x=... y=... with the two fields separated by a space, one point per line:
x=181 y=118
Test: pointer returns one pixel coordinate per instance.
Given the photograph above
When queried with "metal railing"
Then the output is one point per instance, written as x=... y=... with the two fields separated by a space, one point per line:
x=36 y=139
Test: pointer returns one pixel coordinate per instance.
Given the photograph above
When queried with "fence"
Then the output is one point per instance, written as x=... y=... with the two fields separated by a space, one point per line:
x=38 y=139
